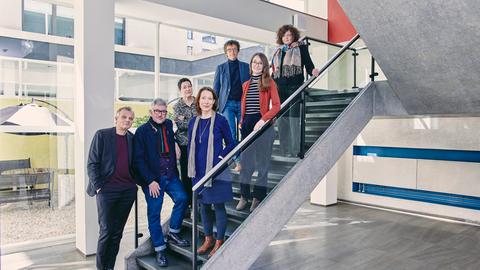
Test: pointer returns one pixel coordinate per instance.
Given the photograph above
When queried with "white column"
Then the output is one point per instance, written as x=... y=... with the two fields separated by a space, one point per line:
x=325 y=193
x=94 y=63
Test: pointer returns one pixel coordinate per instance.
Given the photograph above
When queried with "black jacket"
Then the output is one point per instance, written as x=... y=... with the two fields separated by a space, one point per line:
x=102 y=158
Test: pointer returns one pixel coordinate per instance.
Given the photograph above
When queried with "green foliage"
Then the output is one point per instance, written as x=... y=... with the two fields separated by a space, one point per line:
x=140 y=121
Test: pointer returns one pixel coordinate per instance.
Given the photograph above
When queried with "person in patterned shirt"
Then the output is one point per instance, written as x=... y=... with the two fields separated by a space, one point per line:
x=183 y=111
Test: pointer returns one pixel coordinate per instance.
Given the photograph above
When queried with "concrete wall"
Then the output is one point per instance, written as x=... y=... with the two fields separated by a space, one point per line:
x=454 y=133
x=427 y=49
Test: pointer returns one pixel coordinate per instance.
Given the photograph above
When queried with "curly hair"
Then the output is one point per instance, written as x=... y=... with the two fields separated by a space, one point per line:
x=284 y=29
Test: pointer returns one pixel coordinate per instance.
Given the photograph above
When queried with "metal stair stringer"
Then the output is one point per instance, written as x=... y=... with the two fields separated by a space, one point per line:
x=254 y=234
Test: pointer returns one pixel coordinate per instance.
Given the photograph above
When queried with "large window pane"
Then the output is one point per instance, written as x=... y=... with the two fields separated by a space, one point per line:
x=135 y=85
x=63 y=23
x=9 y=77
x=39 y=159
x=119 y=31
x=36 y=16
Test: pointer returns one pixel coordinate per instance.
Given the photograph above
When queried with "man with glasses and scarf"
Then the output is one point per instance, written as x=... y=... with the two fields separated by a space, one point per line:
x=155 y=162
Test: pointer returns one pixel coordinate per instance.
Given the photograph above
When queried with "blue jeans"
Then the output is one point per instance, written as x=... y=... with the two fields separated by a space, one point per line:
x=220 y=219
x=174 y=189
x=233 y=113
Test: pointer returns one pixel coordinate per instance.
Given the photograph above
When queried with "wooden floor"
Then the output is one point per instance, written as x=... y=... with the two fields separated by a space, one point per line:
x=339 y=237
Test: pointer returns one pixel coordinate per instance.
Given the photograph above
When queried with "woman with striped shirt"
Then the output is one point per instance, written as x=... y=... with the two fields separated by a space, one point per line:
x=260 y=103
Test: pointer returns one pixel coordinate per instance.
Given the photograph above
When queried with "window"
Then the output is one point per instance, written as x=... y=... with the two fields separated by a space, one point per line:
x=189 y=50
x=36 y=16
x=209 y=39
x=189 y=34
x=63 y=22
x=120 y=31
x=46 y=18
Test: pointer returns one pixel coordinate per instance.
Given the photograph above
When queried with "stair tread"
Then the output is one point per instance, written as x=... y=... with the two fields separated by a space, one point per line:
x=175 y=262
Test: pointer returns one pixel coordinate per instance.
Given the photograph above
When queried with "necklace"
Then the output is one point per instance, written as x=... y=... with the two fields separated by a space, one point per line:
x=203 y=131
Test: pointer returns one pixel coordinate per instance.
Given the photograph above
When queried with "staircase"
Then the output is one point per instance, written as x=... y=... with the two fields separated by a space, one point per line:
x=332 y=119
x=323 y=107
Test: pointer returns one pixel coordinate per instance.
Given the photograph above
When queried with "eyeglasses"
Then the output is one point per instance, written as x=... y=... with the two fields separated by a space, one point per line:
x=160 y=111
x=232 y=50
x=257 y=63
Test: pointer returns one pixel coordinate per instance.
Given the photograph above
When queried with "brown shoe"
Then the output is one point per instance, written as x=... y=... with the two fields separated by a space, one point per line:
x=207 y=244
x=218 y=244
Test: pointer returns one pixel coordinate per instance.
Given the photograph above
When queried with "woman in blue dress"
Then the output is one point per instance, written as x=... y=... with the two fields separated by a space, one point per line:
x=206 y=148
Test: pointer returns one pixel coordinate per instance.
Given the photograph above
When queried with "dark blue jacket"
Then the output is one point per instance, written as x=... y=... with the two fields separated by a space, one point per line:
x=146 y=159
x=221 y=83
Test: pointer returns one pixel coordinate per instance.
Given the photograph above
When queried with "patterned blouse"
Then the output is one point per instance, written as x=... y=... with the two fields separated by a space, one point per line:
x=182 y=109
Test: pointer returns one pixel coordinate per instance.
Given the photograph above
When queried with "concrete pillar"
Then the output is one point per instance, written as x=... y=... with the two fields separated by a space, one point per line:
x=94 y=96
x=325 y=193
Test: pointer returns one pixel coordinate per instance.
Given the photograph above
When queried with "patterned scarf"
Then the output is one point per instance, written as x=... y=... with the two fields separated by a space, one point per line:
x=191 y=153
x=292 y=62
x=162 y=139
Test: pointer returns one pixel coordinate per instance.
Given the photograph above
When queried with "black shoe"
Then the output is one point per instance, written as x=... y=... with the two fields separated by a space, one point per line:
x=161 y=259
x=174 y=238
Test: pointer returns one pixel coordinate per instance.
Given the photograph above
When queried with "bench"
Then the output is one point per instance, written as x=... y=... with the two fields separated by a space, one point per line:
x=19 y=182
x=6 y=165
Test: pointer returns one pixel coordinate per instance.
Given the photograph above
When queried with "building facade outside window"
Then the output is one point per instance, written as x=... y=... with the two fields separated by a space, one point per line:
x=189 y=34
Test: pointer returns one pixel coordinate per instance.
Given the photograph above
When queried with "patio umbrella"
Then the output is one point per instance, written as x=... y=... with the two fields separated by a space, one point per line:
x=33 y=119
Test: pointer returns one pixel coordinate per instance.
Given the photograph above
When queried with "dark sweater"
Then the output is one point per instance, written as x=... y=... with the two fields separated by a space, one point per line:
x=235 y=83
x=121 y=178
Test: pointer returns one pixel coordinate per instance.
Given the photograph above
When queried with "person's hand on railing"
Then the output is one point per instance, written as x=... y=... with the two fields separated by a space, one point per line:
x=259 y=124
x=315 y=72
x=154 y=189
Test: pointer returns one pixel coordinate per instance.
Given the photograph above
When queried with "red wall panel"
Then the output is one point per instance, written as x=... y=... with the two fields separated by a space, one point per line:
x=340 y=28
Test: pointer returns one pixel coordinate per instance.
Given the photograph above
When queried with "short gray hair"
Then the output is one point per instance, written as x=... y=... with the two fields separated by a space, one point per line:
x=159 y=101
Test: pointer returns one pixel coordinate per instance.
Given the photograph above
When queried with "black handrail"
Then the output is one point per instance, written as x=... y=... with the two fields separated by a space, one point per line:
x=249 y=140
x=326 y=42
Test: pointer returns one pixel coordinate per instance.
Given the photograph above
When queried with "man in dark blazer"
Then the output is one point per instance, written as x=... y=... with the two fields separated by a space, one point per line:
x=111 y=177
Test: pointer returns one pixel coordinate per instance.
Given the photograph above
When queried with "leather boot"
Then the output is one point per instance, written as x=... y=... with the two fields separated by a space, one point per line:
x=218 y=244
x=207 y=244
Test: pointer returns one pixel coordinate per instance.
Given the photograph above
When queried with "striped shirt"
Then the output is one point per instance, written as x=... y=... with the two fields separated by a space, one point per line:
x=252 y=105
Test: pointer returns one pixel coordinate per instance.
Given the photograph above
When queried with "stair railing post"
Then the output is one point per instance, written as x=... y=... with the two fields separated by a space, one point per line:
x=355 y=54
x=194 y=230
x=136 y=221
x=302 y=125
x=372 y=71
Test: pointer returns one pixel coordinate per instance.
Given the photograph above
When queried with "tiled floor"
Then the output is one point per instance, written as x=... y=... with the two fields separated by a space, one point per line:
x=338 y=237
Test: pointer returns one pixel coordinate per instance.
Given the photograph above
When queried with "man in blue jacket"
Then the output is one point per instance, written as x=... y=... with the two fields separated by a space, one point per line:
x=155 y=163
x=227 y=84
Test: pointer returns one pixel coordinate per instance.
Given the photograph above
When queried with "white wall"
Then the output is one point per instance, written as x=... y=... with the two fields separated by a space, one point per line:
x=11 y=14
x=441 y=176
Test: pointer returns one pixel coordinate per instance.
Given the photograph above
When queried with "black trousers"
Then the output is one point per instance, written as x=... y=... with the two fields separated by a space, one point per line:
x=186 y=181
x=113 y=210
x=256 y=156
